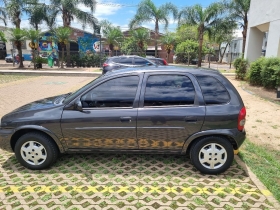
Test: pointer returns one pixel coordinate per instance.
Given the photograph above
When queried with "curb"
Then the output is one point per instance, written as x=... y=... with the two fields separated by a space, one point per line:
x=50 y=73
x=258 y=183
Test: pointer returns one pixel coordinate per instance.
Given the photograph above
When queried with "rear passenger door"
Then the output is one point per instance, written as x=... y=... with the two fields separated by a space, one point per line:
x=170 y=110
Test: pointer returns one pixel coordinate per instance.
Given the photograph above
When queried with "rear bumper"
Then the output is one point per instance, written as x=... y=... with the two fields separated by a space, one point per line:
x=240 y=137
x=5 y=139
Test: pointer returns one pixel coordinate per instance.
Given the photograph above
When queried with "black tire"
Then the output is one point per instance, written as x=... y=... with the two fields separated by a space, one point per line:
x=202 y=149
x=45 y=151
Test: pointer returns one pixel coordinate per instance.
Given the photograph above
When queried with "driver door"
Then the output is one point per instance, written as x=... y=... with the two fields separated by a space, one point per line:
x=108 y=117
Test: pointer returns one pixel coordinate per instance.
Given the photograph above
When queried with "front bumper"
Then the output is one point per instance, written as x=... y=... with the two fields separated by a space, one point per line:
x=5 y=139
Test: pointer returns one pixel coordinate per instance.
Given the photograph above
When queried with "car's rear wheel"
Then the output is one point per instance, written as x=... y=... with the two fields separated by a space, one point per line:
x=36 y=151
x=212 y=155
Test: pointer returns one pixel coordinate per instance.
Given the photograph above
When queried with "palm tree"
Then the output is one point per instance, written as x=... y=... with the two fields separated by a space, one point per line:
x=168 y=40
x=37 y=13
x=147 y=11
x=14 y=9
x=238 y=11
x=112 y=34
x=69 y=10
x=18 y=36
x=203 y=19
x=62 y=35
x=3 y=15
x=141 y=36
x=50 y=18
x=33 y=36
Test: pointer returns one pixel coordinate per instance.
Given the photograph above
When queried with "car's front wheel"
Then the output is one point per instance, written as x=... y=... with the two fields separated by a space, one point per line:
x=36 y=151
x=212 y=155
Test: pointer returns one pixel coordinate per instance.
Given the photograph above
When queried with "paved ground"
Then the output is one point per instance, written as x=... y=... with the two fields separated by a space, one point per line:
x=114 y=181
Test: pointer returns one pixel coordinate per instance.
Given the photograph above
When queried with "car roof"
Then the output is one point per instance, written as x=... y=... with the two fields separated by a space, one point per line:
x=126 y=56
x=163 y=69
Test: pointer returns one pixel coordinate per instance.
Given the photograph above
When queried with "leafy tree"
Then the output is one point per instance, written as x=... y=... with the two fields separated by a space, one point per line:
x=141 y=36
x=129 y=46
x=33 y=36
x=168 y=40
x=203 y=19
x=18 y=36
x=2 y=37
x=61 y=35
x=189 y=48
x=147 y=11
x=238 y=11
x=186 y=32
x=223 y=33
x=112 y=34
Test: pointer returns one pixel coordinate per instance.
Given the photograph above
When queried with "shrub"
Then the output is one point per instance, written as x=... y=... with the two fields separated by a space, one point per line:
x=270 y=74
x=241 y=65
x=254 y=75
x=41 y=60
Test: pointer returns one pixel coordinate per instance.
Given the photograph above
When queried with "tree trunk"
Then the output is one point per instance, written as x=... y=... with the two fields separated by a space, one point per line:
x=200 y=30
x=222 y=55
x=68 y=54
x=156 y=37
x=62 y=60
x=188 y=59
x=244 y=33
x=33 y=59
x=20 y=56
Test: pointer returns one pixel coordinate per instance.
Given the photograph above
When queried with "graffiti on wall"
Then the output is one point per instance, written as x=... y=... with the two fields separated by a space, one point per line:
x=88 y=43
x=46 y=44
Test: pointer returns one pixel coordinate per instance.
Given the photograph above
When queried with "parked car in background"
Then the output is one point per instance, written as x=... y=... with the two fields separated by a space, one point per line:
x=151 y=110
x=10 y=59
x=120 y=62
x=158 y=61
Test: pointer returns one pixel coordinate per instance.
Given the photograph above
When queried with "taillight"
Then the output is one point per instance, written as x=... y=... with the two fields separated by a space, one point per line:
x=241 y=119
x=105 y=64
x=164 y=62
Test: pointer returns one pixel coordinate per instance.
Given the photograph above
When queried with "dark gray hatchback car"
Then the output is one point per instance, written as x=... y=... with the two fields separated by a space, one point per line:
x=149 y=110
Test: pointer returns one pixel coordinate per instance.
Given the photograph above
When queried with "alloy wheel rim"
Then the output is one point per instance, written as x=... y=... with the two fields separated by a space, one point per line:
x=33 y=153
x=212 y=156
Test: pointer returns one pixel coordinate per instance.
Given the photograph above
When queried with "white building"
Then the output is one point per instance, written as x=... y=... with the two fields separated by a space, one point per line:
x=7 y=48
x=264 y=21
x=233 y=50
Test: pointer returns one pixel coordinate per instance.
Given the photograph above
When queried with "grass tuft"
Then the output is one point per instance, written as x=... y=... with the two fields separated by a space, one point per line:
x=265 y=163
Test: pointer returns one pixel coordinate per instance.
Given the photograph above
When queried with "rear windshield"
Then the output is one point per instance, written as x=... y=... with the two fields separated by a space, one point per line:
x=213 y=91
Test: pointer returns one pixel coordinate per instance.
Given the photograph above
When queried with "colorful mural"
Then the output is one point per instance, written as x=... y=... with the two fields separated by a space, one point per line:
x=88 y=43
x=46 y=44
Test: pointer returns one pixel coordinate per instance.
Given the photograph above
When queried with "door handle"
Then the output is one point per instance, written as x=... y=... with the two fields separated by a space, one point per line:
x=125 y=119
x=190 y=120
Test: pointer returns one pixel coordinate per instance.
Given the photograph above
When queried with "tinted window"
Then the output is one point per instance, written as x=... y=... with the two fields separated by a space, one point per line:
x=119 y=92
x=116 y=60
x=166 y=90
x=126 y=61
x=140 y=61
x=213 y=91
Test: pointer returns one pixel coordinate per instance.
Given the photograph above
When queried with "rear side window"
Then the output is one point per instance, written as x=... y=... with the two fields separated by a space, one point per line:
x=169 y=90
x=124 y=60
x=213 y=91
x=140 y=61
x=115 y=60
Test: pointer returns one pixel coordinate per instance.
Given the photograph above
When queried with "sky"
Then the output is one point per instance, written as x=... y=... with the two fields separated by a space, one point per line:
x=120 y=12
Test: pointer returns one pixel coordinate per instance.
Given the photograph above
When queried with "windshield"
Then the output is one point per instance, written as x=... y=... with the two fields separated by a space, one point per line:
x=74 y=94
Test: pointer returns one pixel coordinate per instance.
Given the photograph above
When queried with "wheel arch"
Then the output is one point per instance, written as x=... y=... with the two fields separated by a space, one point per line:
x=196 y=137
x=21 y=131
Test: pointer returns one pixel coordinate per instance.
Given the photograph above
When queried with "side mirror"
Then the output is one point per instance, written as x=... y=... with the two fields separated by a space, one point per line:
x=78 y=106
